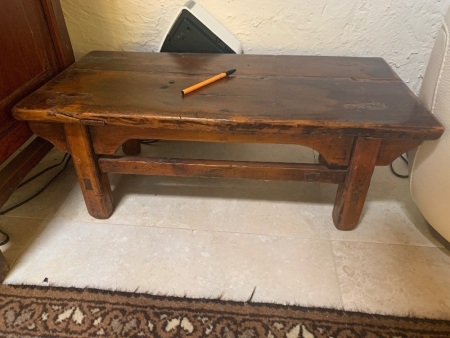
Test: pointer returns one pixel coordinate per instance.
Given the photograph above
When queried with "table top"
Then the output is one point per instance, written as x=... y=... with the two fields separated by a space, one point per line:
x=267 y=94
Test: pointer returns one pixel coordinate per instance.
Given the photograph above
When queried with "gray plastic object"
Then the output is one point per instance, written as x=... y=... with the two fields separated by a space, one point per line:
x=195 y=31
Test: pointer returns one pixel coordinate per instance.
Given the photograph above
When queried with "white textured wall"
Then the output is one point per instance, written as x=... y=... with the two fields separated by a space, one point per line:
x=401 y=31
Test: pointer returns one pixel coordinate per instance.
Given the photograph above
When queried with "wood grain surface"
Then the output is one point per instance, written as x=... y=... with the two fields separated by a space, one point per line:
x=267 y=94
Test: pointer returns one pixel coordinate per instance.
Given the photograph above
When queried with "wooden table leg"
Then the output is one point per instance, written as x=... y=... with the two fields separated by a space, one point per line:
x=131 y=147
x=351 y=194
x=94 y=184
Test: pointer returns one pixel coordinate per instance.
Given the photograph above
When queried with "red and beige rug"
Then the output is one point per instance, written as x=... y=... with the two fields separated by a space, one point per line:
x=31 y=311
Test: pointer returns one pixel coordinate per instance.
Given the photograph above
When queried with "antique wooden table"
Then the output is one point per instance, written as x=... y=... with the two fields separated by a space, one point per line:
x=356 y=112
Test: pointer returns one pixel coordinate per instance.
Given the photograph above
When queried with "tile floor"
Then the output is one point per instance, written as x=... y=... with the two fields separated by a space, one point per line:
x=227 y=238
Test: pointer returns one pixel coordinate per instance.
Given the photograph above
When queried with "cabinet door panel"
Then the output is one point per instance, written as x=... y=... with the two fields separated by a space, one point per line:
x=27 y=60
x=34 y=47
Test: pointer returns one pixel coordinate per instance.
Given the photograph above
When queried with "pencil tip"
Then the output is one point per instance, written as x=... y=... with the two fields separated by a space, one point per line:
x=231 y=71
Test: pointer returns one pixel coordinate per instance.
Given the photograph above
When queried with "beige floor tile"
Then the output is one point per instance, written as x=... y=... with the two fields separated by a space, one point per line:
x=394 y=279
x=49 y=200
x=181 y=262
x=387 y=222
x=46 y=204
x=389 y=215
x=311 y=281
x=279 y=208
x=220 y=237
x=20 y=231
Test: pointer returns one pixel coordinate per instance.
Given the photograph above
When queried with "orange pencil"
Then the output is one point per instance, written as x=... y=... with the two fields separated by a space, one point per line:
x=207 y=82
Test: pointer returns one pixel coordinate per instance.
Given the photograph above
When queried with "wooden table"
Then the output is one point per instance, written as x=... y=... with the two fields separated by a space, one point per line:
x=356 y=112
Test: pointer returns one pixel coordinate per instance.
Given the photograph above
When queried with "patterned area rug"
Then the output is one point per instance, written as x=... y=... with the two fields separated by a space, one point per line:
x=30 y=311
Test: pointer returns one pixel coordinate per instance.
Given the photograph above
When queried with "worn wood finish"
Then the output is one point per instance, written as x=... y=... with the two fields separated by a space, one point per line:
x=391 y=149
x=220 y=169
x=355 y=112
x=267 y=95
x=53 y=132
x=352 y=192
x=94 y=184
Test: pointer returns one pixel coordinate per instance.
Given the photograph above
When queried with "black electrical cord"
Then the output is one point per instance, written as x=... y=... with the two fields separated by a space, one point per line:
x=43 y=171
x=5 y=237
x=65 y=161
x=148 y=141
x=66 y=158
x=396 y=173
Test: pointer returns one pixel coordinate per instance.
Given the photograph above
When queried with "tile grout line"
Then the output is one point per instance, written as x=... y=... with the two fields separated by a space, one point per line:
x=321 y=238
x=336 y=273
x=388 y=243
x=327 y=237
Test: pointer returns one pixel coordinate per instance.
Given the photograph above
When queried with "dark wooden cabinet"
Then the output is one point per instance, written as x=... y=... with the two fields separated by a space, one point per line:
x=35 y=46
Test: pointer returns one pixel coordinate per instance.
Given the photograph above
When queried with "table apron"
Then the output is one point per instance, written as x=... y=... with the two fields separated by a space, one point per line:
x=335 y=150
